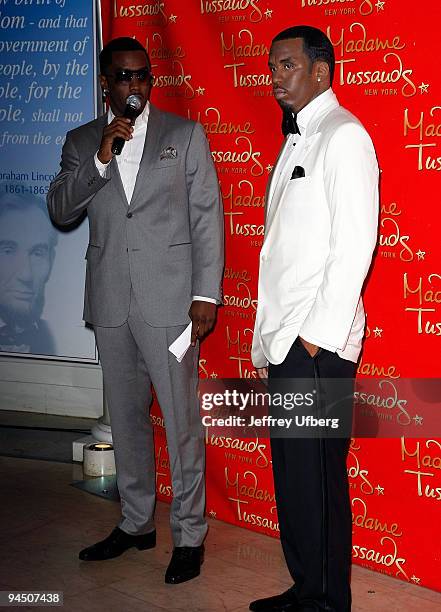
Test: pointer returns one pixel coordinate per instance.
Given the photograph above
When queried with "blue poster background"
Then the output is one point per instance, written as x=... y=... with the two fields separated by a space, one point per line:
x=47 y=87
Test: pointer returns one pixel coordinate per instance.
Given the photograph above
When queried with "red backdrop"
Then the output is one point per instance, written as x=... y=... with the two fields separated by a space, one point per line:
x=210 y=64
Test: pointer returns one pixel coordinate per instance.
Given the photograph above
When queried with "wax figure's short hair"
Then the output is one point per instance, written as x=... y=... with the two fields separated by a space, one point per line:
x=22 y=202
x=316 y=45
x=124 y=43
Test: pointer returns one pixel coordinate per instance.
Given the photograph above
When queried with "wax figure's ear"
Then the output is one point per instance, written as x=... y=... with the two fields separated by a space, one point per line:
x=321 y=72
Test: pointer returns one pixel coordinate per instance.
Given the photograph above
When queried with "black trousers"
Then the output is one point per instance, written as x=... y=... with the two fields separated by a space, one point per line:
x=312 y=491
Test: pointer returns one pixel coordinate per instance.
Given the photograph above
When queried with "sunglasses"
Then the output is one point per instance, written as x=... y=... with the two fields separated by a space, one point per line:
x=126 y=76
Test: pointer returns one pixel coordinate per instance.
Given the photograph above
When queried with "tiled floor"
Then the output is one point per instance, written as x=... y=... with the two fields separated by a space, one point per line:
x=44 y=522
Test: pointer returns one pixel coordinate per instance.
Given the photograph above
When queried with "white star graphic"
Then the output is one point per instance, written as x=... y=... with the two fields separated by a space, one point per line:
x=379 y=490
x=377 y=332
x=415 y=579
x=269 y=168
x=213 y=375
x=200 y=91
x=418 y=419
x=173 y=18
x=420 y=254
x=212 y=513
x=380 y=6
x=424 y=88
x=268 y=13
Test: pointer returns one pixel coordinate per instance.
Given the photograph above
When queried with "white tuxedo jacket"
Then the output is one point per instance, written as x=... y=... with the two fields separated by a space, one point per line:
x=320 y=234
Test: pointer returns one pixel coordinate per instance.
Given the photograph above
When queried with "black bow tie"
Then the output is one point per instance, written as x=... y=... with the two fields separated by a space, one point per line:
x=289 y=123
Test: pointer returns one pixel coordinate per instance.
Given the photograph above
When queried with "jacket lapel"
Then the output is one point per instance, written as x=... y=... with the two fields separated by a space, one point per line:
x=273 y=205
x=311 y=136
x=113 y=167
x=150 y=152
x=116 y=178
x=272 y=181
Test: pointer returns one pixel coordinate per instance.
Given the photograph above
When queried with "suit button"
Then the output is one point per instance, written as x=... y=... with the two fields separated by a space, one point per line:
x=129 y=215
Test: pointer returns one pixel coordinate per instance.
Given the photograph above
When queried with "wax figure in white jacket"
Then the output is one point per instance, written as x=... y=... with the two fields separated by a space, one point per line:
x=321 y=228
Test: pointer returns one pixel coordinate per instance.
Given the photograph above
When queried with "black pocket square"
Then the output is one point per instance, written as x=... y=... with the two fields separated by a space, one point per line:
x=298 y=172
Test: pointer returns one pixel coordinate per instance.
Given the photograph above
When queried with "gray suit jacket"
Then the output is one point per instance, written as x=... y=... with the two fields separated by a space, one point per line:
x=168 y=245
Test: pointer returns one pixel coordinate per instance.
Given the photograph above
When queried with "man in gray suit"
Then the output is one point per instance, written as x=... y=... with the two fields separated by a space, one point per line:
x=154 y=263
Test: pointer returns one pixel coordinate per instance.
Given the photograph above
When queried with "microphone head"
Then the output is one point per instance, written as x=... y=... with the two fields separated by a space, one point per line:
x=132 y=110
x=134 y=102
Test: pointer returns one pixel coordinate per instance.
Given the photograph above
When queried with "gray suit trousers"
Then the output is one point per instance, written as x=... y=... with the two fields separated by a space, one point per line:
x=134 y=357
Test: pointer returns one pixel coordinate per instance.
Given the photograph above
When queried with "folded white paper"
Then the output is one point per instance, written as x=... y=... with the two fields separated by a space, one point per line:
x=181 y=345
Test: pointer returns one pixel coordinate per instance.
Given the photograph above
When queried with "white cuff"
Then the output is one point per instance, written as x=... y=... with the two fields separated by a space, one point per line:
x=102 y=168
x=200 y=298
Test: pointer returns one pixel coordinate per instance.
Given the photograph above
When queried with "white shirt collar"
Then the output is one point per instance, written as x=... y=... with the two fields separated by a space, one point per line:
x=305 y=115
x=140 y=121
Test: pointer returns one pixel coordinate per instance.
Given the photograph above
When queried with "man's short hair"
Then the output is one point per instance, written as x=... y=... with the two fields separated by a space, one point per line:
x=316 y=45
x=124 y=43
x=23 y=201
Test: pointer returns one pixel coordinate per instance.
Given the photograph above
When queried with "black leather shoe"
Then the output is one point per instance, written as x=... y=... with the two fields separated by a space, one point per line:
x=117 y=543
x=185 y=564
x=285 y=602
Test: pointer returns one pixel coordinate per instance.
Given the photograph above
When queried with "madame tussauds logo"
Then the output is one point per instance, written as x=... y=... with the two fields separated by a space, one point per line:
x=220 y=6
x=387 y=557
x=427 y=292
x=161 y=51
x=243 y=154
x=140 y=9
x=424 y=128
x=243 y=45
x=175 y=80
x=243 y=490
x=361 y=518
x=240 y=48
x=391 y=238
x=354 y=42
x=213 y=123
x=426 y=467
x=365 y=7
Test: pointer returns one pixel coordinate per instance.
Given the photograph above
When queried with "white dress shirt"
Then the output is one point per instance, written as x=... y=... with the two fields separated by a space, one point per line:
x=294 y=146
x=128 y=162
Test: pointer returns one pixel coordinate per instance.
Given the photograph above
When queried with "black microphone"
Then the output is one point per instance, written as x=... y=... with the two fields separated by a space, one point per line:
x=131 y=111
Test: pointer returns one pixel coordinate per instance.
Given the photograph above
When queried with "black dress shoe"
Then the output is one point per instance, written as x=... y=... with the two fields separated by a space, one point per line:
x=117 y=543
x=285 y=602
x=185 y=564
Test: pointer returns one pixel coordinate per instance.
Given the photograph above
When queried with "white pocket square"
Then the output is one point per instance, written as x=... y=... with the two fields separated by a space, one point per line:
x=168 y=153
